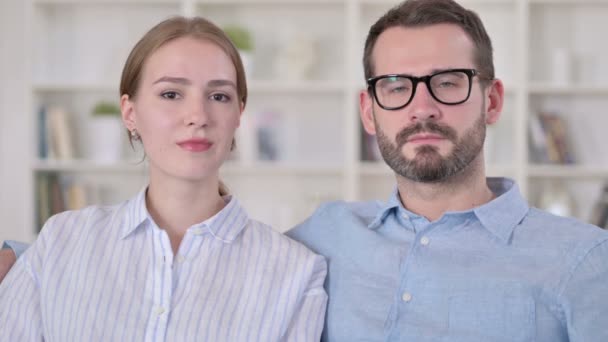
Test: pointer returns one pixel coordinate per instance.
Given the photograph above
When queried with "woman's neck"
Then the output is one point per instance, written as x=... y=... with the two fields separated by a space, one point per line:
x=175 y=205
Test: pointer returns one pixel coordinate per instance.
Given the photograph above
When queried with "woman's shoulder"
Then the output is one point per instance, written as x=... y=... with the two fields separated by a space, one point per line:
x=287 y=256
x=86 y=213
x=274 y=241
x=88 y=220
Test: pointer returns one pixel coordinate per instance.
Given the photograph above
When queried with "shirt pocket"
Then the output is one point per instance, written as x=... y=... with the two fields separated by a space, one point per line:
x=492 y=313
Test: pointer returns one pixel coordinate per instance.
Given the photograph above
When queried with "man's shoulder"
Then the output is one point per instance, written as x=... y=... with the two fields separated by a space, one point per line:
x=333 y=220
x=545 y=219
x=328 y=214
x=562 y=231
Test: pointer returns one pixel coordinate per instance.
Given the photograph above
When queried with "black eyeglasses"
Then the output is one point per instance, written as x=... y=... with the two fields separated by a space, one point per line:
x=450 y=87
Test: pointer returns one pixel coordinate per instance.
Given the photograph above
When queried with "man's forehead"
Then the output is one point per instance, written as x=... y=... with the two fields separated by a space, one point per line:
x=422 y=49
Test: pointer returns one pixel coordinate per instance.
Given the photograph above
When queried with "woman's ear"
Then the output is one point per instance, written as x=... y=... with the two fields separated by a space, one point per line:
x=127 y=110
x=241 y=110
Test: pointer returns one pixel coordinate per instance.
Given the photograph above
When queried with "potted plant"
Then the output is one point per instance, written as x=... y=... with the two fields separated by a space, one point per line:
x=242 y=39
x=105 y=133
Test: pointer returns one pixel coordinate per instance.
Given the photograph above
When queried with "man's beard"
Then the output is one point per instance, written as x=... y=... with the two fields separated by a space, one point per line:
x=428 y=166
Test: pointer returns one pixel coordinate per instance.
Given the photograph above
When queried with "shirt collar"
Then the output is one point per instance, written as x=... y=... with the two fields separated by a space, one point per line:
x=228 y=223
x=393 y=203
x=499 y=216
x=136 y=213
x=225 y=225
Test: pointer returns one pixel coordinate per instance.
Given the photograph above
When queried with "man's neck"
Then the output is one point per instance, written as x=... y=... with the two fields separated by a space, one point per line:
x=463 y=191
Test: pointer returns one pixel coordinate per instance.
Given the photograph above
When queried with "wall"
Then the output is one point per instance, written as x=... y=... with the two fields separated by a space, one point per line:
x=14 y=148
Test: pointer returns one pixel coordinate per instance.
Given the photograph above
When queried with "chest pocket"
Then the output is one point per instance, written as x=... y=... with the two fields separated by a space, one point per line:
x=492 y=313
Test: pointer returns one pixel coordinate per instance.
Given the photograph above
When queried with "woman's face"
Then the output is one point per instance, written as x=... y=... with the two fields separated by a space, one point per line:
x=186 y=109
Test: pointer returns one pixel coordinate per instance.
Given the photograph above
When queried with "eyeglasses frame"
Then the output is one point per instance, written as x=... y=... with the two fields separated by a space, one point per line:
x=371 y=86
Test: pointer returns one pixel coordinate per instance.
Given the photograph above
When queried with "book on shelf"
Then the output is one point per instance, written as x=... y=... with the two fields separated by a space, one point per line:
x=43 y=139
x=549 y=139
x=599 y=212
x=56 y=139
x=56 y=194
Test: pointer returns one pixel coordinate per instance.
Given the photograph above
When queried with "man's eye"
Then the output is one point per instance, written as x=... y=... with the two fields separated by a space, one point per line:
x=171 y=95
x=400 y=89
x=447 y=84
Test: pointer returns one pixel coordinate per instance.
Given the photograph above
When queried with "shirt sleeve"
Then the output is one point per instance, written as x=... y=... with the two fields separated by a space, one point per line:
x=585 y=296
x=308 y=320
x=20 y=317
x=17 y=247
x=20 y=295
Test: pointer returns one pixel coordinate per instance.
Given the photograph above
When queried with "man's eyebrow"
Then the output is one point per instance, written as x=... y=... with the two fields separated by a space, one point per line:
x=178 y=80
x=435 y=71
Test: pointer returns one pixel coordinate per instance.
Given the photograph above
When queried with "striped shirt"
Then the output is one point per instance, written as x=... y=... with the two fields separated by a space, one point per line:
x=109 y=274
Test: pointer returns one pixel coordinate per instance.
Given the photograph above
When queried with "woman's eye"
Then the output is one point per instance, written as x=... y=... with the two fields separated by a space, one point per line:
x=171 y=95
x=220 y=97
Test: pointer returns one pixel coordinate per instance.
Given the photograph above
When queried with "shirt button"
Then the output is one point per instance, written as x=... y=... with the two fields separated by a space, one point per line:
x=406 y=297
x=181 y=258
x=405 y=216
x=197 y=231
x=159 y=310
x=424 y=241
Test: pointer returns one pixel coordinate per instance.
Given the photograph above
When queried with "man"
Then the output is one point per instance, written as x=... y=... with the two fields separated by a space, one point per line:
x=452 y=255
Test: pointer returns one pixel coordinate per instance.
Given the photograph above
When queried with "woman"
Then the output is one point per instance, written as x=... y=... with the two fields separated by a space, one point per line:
x=181 y=261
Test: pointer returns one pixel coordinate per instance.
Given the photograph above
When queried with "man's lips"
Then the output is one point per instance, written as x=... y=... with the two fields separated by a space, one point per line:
x=195 y=145
x=425 y=138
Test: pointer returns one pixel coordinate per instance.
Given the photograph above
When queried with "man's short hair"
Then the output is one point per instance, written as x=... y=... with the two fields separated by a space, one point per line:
x=420 y=13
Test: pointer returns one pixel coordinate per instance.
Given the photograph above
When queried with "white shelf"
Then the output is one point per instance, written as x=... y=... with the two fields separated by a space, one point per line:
x=265 y=169
x=462 y=2
x=88 y=166
x=105 y=2
x=568 y=171
x=229 y=168
x=374 y=169
x=270 y=2
x=309 y=87
x=279 y=169
x=48 y=87
x=569 y=2
x=573 y=89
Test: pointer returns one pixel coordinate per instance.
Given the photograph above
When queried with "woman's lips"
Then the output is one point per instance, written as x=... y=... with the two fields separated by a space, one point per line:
x=195 y=145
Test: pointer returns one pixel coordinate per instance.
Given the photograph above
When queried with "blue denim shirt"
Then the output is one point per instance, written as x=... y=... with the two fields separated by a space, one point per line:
x=499 y=272
x=17 y=247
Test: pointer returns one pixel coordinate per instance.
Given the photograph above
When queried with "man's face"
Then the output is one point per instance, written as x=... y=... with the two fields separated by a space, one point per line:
x=428 y=165
x=428 y=141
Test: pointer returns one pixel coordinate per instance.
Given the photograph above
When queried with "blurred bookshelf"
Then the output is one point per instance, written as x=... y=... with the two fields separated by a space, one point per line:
x=301 y=142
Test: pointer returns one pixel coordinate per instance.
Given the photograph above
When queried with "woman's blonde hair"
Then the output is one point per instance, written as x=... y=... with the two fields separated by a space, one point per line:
x=168 y=30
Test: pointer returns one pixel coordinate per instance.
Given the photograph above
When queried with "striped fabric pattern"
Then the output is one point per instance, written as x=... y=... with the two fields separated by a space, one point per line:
x=109 y=274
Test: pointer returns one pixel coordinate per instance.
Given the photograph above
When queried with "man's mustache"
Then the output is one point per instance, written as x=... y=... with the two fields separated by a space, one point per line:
x=445 y=131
